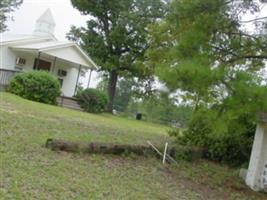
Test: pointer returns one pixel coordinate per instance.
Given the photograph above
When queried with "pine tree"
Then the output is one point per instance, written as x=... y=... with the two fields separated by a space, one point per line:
x=202 y=49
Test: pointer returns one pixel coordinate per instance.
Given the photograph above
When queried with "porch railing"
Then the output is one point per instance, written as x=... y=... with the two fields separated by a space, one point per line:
x=6 y=75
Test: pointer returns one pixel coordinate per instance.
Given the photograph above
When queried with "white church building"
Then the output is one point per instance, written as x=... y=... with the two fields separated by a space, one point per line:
x=42 y=51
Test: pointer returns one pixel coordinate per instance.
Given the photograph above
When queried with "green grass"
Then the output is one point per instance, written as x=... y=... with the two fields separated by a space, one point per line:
x=30 y=171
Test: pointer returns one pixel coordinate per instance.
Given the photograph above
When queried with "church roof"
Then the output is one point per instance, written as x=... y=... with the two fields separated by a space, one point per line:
x=14 y=37
x=47 y=17
x=44 y=45
x=68 y=51
x=7 y=38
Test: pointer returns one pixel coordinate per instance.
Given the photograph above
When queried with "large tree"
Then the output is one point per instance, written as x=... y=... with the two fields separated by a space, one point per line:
x=7 y=6
x=204 y=50
x=124 y=92
x=116 y=35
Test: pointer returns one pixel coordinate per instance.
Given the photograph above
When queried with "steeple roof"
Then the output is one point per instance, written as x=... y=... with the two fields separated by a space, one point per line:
x=47 y=17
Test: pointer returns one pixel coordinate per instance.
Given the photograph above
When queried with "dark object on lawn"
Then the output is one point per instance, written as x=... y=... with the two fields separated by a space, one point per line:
x=102 y=148
x=138 y=116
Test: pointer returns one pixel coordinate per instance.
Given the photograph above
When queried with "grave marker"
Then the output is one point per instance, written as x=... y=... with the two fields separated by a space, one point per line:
x=256 y=177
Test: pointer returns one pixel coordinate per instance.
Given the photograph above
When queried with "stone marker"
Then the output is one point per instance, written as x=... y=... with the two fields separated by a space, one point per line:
x=256 y=177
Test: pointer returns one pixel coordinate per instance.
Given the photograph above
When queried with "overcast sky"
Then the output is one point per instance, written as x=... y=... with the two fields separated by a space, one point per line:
x=63 y=12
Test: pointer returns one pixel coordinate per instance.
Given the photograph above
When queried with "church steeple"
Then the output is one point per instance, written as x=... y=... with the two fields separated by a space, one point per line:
x=45 y=25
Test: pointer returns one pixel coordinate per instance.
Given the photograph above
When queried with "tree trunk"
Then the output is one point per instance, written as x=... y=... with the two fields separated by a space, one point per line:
x=113 y=77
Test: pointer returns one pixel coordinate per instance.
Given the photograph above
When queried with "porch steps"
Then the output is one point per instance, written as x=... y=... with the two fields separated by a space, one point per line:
x=68 y=102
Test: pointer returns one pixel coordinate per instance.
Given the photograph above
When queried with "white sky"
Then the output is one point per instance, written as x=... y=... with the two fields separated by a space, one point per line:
x=63 y=12
x=64 y=15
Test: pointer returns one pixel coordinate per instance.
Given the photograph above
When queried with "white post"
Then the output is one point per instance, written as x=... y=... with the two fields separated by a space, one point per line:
x=255 y=174
x=89 y=79
x=165 y=152
x=167 y=155
x=77 y=81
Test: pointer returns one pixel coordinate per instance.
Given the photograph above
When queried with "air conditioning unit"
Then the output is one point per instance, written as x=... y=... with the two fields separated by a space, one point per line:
x=20 y=61
x=62 y=73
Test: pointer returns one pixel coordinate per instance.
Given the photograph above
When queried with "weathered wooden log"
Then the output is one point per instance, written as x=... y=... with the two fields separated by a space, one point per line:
x=173 y=153
x=101 y=148
x=62 y=145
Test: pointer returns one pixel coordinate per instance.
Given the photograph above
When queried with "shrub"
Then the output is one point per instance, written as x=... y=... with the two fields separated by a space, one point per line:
x=92 y=100
x=37 y=86
x=232 y=147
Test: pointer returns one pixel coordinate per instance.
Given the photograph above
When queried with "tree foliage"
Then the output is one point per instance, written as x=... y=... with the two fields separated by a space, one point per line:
x=160 y=107
x=116 y=35
x=124 y=93
x=92 y=100
x=127 y=89
x=203 y=49
x=209 y=57
x=7 y=6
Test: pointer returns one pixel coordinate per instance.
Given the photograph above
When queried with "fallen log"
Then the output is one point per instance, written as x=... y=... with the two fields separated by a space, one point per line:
x=174 y=152
x=98 y=148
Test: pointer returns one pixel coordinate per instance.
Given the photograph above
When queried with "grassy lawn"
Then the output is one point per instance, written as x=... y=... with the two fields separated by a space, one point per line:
x=30 y=171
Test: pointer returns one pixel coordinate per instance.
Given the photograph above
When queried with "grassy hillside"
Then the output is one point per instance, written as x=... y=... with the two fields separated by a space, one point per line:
x=30 y=171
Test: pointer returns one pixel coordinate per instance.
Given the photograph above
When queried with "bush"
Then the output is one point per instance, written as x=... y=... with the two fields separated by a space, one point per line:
x=37 y=86
x=232 y=147
x=92 y=100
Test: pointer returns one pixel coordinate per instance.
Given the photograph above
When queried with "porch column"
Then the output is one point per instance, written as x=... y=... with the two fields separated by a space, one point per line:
x=38 y=61
x=54 y=65
x=77 y=81
x=89 y=80
x=256 y=177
